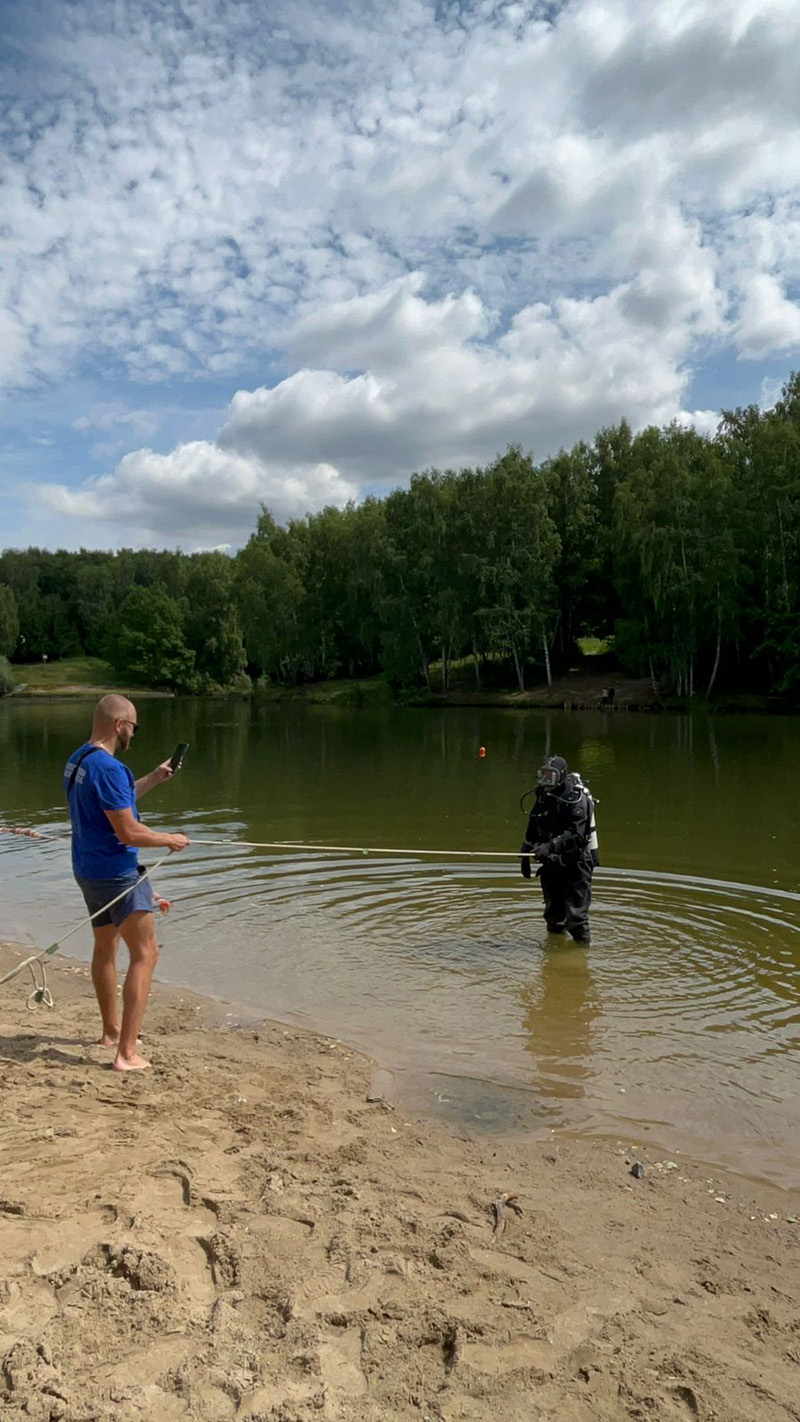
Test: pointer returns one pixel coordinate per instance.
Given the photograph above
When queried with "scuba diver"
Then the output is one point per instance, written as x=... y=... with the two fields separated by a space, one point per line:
x=561 y=835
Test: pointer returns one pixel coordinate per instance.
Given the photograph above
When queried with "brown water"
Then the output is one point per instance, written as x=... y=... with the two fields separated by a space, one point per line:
x=681 y=1023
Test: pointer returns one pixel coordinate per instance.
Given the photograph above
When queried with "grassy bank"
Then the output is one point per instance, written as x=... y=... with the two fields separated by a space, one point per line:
x=74 y=676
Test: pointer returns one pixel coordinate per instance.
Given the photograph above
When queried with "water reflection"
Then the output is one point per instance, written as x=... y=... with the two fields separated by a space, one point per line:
x=560 y=1015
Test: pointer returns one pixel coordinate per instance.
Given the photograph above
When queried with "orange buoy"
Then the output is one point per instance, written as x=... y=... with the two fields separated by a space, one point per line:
x=481 y=751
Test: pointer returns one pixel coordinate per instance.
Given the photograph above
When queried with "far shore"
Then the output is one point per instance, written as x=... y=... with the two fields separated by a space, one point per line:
x=251 y=1231
x=581 y=689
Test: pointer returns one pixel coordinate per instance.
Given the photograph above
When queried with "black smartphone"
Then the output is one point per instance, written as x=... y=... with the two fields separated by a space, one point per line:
x=177 y=757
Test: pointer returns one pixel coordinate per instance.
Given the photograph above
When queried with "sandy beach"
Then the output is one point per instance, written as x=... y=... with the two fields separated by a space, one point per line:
x=246 y=1232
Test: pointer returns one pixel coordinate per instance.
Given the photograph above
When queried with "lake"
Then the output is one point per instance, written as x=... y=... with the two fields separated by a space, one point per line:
x=679 y=1027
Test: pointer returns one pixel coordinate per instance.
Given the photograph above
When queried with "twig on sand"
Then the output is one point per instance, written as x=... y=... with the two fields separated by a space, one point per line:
x=498 y=1210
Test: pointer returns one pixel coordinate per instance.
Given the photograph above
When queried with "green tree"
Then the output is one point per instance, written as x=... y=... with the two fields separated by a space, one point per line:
x=269 y=594
x=571 y=499
x=407 y=641
x=100 y=588
x=518 y=562
x=362 y=551
x=426 y=537
x=148 y=644
x=610 y=456
x=212 y=627
x=762 y=453
x=9 y=620
x=676 y=557
x=6 y=677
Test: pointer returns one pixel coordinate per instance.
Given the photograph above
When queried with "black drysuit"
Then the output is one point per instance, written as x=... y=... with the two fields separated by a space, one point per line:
x=561 y=822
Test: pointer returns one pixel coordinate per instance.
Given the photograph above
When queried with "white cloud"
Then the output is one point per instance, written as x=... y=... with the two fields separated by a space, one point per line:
x=706 y=422
x=429 y=230
x=439 y=393
x=380 y=330
x=112 y=416
x=196 y=493
x=770 y=392
x=768 y=321
x=12 y=345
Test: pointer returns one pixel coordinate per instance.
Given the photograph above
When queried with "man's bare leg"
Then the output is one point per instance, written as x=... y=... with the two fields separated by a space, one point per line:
x=138 y=931
x=104 y=977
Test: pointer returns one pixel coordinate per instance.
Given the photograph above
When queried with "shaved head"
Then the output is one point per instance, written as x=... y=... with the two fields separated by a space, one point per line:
x=109 y=709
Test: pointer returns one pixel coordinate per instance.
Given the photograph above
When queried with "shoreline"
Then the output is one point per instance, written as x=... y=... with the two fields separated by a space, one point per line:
x=83 y=693
x=250 y=1231
x=633 y=697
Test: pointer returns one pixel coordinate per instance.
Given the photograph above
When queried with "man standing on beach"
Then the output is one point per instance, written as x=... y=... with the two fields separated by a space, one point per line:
x=102 y=797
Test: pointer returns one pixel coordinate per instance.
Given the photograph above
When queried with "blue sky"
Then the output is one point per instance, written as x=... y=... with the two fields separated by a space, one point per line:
x=256 y=251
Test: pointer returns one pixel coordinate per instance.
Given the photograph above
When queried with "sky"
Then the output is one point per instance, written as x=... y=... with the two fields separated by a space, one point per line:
x=292 y=251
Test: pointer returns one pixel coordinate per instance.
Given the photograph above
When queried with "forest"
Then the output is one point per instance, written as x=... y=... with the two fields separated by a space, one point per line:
x=683 y=548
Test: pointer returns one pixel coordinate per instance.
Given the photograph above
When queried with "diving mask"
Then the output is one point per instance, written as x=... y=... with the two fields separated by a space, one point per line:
x=552 y=773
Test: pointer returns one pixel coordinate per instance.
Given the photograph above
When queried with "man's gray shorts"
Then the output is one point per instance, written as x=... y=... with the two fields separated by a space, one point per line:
x=99 y=892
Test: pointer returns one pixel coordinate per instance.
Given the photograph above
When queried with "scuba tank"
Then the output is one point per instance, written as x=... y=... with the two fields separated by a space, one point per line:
x=592 y=842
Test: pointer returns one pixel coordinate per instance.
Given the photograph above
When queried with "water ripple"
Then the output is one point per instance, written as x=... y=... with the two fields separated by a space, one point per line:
x=683 y=1017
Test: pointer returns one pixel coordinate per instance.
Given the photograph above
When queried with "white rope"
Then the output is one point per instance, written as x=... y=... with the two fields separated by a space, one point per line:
x=310 y=845
x=357 y=848
x=41 y=992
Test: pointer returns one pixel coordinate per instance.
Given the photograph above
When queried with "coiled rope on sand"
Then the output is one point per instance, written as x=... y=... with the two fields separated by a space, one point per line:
x=40 y=994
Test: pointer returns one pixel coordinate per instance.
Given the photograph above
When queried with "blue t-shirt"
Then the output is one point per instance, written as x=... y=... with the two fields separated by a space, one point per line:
x=102 y=783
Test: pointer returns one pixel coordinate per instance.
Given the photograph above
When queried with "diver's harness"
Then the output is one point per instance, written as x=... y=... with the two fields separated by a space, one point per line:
x=573 y=789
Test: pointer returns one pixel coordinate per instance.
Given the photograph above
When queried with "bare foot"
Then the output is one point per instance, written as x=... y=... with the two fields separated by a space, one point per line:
x=109 y=1039
x=134 y=1063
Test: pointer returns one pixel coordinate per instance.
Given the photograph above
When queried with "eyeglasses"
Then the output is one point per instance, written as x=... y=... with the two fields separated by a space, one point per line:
x=134 y=725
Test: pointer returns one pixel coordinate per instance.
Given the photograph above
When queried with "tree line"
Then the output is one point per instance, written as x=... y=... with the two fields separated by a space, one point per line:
x=684 y=548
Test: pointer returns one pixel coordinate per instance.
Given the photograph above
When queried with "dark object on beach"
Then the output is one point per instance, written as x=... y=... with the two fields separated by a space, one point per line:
x=607 y=697
x=498 y=1210
x=637 y=1171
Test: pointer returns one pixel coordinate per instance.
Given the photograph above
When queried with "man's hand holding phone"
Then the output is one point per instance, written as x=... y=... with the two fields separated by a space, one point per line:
x=166 y=769
x=178 y=754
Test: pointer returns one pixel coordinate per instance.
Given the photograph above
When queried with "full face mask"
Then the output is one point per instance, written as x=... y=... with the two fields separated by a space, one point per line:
x=552 y=774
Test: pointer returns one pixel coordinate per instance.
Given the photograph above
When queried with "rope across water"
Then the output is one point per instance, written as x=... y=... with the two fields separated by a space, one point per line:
x=305 y=845
x=41 y=994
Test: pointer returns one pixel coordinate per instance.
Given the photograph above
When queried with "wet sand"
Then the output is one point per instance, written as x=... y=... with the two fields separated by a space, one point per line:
x=243 y=1233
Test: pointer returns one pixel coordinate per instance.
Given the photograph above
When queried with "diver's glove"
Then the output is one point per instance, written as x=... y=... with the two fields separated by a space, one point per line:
x=542 y=852
x=525 y=862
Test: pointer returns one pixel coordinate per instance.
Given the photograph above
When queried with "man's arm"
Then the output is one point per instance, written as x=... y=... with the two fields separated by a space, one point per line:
x=131 y=831
x=156 y=777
